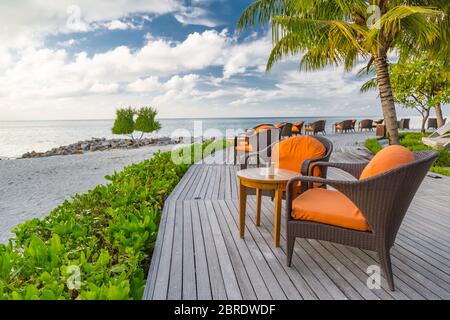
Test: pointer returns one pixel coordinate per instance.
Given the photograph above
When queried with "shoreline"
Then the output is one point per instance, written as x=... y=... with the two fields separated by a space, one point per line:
x=99 y=144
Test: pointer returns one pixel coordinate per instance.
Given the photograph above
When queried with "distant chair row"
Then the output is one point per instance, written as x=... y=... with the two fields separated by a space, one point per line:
x=403 y=124
x=288 y=129
x=365 y=125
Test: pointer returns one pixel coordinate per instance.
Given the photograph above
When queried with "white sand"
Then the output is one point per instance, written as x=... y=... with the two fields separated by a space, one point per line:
x=31 y=188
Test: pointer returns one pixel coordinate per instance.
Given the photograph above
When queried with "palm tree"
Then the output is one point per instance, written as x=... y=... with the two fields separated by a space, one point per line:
x=332 y=32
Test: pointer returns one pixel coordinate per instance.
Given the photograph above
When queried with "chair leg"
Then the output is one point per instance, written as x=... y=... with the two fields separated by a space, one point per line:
x=290 y=242
x=385 y=262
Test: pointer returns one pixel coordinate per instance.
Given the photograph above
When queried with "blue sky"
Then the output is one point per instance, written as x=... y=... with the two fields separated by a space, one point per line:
x=82 y=59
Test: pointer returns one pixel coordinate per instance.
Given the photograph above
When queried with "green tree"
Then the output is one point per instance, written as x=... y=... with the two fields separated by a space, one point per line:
x=332 y=32
x=129 y=120
x=124 y=123
x=420 y=84
x=146 y=120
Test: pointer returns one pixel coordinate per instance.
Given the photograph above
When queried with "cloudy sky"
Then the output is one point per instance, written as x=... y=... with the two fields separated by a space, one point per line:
x=81 y=59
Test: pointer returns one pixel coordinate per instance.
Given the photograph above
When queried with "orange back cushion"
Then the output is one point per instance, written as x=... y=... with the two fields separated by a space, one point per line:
x=387 y=159
x=290 y=153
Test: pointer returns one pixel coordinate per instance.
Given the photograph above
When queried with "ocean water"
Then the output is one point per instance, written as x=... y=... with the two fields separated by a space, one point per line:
x=19 y=137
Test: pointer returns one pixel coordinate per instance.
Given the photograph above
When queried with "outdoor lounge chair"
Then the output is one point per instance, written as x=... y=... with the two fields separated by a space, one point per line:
x=404 y=124
x=297 y=128
x=366 y=124
x=344 y=126
x=286 y=130
x=316 y=127
x=432 y=123
x=364 y=213
x=265 y=155
x=296 y=154
x=440 y=138
x=353 y=125
x=255 y=141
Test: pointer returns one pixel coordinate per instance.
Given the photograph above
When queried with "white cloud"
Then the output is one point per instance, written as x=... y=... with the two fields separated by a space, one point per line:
x=251 y=53
x=27 y=22
x=118 y=25
x=104 y=88
x=149 y=84
x=45 y=83
x=195 y=16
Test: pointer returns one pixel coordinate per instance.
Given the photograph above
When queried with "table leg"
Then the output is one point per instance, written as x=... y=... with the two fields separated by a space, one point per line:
x=242 y=207
x=277 y=222
x=258 y=207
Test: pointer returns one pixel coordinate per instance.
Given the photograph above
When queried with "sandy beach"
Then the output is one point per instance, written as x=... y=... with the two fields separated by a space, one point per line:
x=31 y=188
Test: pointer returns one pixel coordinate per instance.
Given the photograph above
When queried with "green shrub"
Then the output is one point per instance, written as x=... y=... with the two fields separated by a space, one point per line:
x=373 y=145
x=108 y=234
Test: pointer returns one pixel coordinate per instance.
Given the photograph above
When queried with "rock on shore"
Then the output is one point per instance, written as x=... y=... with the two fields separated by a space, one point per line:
x=100 y=144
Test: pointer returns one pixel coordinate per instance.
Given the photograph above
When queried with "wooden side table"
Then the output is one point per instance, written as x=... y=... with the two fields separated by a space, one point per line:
x=256 y=178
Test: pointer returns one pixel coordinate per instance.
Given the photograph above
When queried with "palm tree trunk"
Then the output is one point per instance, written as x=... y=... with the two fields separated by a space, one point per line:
x=439 y=116
x=387 y=99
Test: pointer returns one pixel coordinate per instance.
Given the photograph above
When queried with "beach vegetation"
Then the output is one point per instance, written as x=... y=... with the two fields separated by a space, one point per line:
x=128 y=120
x=340 y=32
x=419 y=84
x=413 y=141
x=97 y=245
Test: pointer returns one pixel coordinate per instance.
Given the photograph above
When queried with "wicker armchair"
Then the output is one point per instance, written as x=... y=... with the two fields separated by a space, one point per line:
x=383 y=199
x=353 y=125
x=316 y=127
x=297 y=128
x=263 y=155
x=404 y=124
x=286 y=130
x=254 y=141
x=344 y=126
x=366 y=124
x=432 y=123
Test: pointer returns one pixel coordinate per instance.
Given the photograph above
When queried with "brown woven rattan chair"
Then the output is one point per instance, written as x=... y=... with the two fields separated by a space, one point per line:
x=366 y=124
x=354 y=125
x=297 y=128
x=316 y=127
x=344 y=126
x=432 y=123
x=383 y=200
x=404 y=124
x=254 y=141
x=286 y=130
x=263 y=155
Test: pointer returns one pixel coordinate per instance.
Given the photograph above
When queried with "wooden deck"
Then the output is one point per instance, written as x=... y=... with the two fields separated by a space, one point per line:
x=199 y=254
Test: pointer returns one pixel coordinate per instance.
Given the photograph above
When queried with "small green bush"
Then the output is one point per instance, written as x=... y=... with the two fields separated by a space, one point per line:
x=107 y=234
x=373 y=145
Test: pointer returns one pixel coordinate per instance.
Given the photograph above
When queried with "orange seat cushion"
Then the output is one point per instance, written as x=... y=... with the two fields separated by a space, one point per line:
x=290 y=153
x=338 y=126
x=264 y=127
x=328 y=207
x=298 y=123
x=295 y=130
x=309 y=129
x=387 y=159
